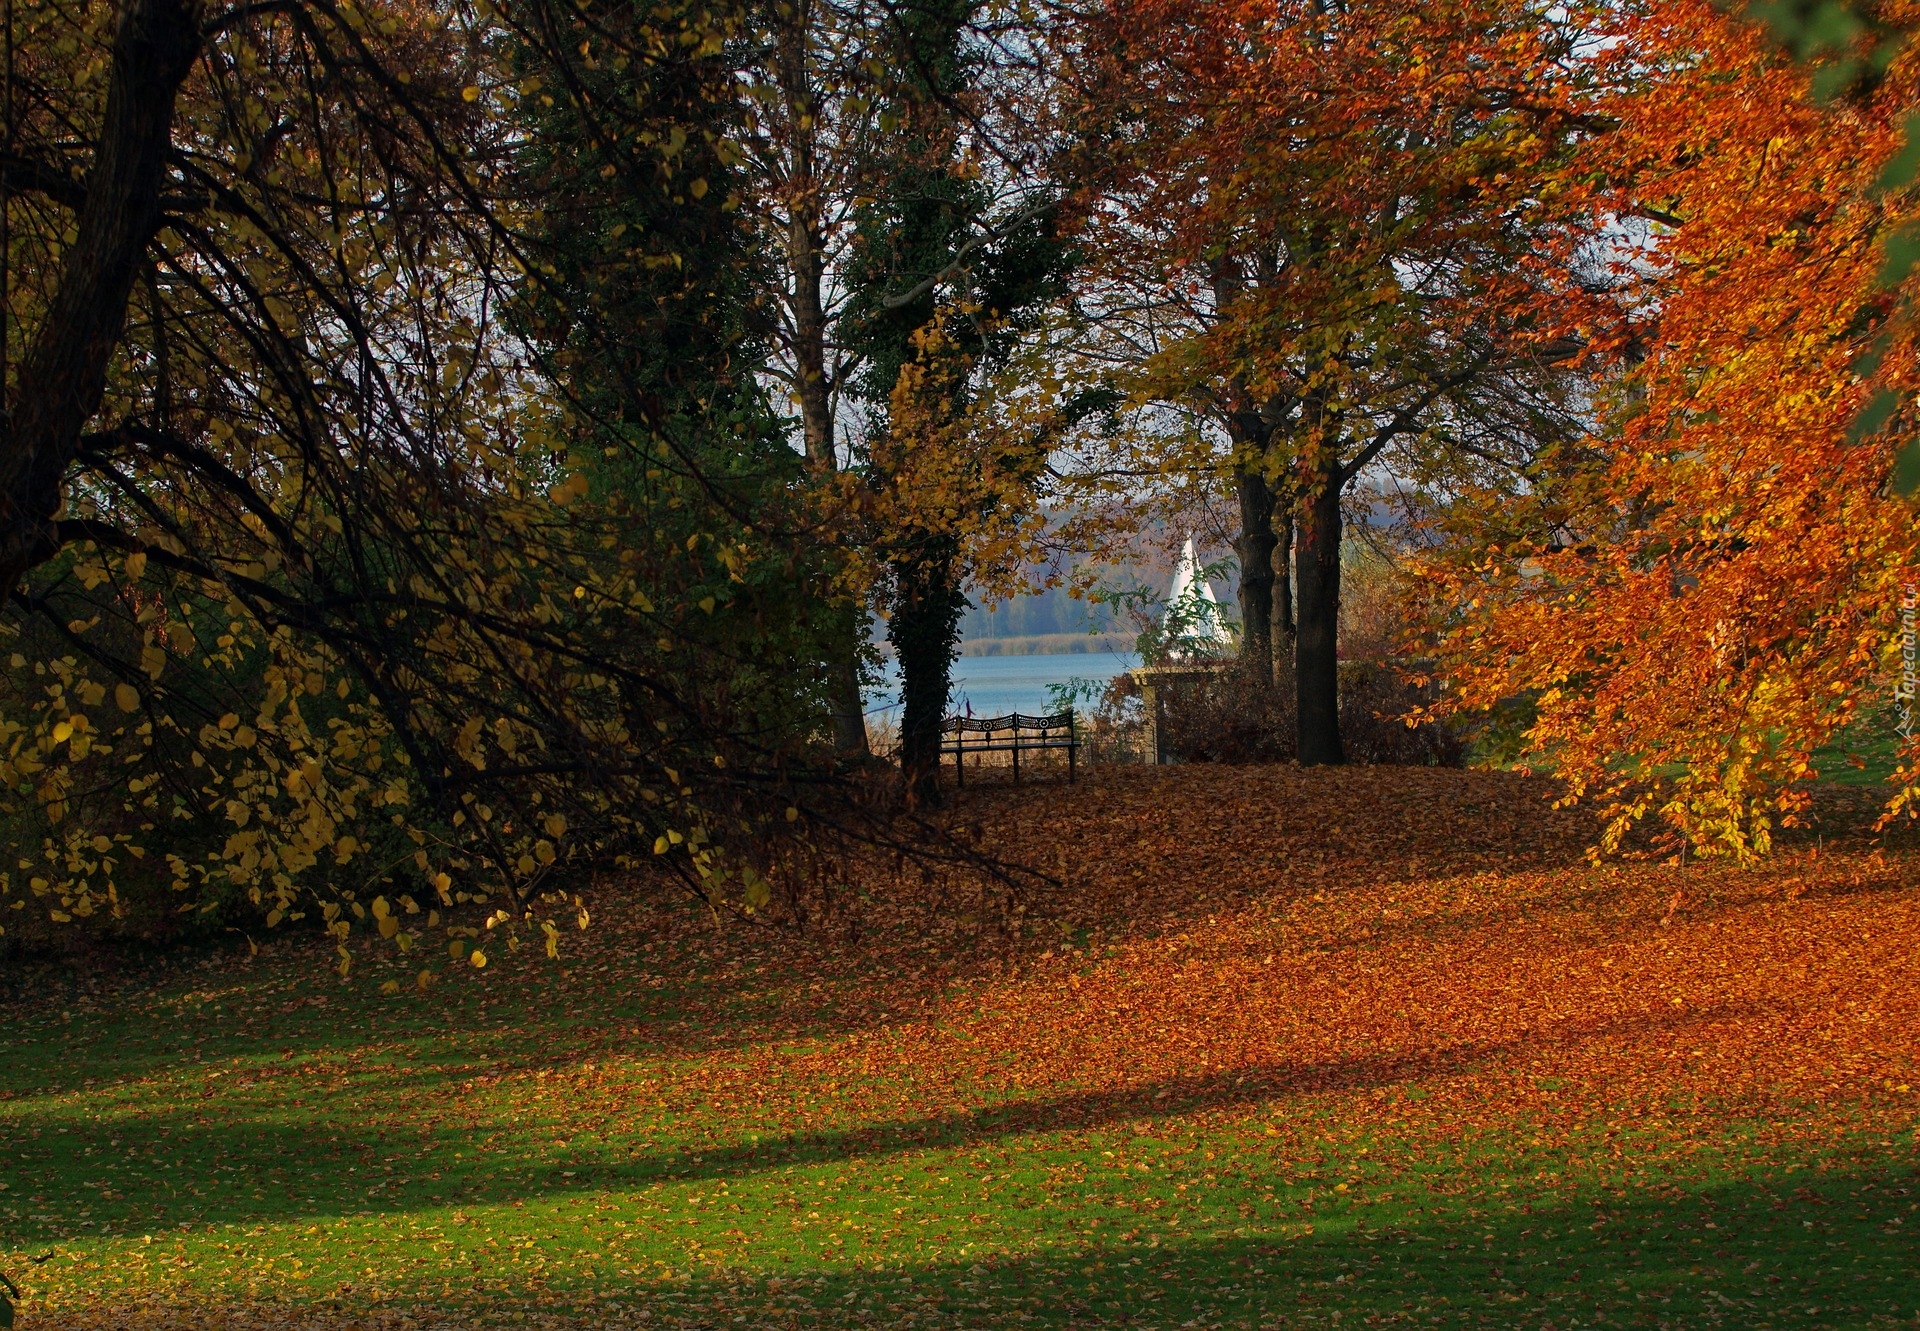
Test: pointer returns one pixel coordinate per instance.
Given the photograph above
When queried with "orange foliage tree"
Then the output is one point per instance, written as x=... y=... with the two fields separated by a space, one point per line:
x=1694 y=601
x=1338 y=214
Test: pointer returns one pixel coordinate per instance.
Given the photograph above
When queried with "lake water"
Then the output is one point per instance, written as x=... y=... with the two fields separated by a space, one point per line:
x=997 y=685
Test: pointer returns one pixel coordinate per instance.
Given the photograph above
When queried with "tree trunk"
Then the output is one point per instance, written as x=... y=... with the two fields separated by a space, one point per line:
x=810 y=349
x=805 y=258
x=1248 y=433
x=1255 y=548
x=843 y=690
x=64 y=372
x=1282 y=631
x=1316 y=669
x=925 y=630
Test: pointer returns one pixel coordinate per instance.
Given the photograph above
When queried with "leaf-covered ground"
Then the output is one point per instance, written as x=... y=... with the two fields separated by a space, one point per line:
x=1285 y=1049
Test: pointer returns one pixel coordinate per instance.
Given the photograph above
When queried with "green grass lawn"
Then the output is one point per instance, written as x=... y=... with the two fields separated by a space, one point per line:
x=277 y=1135
x=234 y=1138
x=1865 y=754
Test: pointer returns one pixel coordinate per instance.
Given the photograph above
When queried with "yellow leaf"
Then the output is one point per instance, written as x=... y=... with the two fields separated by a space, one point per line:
x=470 y=93
x=389 y=926
x=153 y=661
x=455 y=947
x=62 y=732
x=479 y=959
x=137 y=564
x=556 y=825
x=390 y=987
x=126 y=697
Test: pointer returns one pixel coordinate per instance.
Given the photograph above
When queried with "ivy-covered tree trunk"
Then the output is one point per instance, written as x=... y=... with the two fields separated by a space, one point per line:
x=1316 y=654
x=1255 y=548
x=937 y=290
x=925 y=632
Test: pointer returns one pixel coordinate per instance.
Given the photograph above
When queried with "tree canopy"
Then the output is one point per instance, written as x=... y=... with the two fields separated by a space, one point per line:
x=455 y=453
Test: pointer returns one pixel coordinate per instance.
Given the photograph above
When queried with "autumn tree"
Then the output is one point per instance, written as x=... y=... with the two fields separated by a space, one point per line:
x=814 y=78
x=270 y=331
x=1681 y=612
x=328 y=597
x=951 y=264
x=651 y=320
x=151 y=46
x=1342 y=213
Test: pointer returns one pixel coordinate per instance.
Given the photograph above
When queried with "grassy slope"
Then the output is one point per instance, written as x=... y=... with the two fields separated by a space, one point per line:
x=1411 y=1059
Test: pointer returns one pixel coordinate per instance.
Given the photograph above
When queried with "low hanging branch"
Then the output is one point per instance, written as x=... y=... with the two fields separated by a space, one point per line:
x=341 y=586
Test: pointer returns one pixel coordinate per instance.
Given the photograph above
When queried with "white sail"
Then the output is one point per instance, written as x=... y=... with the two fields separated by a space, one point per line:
x=1193 y=614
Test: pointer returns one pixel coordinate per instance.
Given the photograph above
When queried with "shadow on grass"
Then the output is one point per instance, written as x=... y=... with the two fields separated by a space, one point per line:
x=1817 y=1248
x=231 y=1161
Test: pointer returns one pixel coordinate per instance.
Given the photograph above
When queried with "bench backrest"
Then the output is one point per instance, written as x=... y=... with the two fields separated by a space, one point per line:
x=1015 y=721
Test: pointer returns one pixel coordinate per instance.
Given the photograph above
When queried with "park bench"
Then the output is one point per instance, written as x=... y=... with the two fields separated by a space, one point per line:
x=1014 y=734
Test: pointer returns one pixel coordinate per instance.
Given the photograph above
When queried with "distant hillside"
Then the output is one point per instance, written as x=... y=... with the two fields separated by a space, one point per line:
x=1046 y=614
x=1052 y=621
x=1049 y=644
